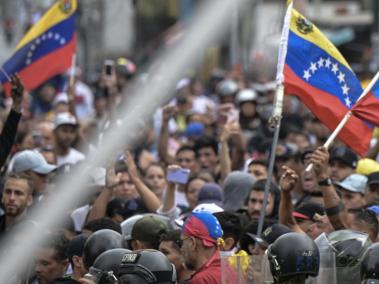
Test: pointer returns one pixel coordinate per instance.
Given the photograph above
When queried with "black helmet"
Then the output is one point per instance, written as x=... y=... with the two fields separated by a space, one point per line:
x=349 y=248
x=370 y=281
x=105 y=268
x=99 y=242
x=293 y=255
x=110 y=260
x=146 y=266
x=370 y=263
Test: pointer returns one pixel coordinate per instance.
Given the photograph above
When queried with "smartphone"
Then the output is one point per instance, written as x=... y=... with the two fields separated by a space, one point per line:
x=179 y=175
x=108 y=66
x=233 y=116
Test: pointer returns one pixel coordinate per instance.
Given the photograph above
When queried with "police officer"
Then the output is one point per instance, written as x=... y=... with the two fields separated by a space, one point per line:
x=146 y=266
x=292 y=258
x=98 y=243
x=105 y=269
x=370 y=265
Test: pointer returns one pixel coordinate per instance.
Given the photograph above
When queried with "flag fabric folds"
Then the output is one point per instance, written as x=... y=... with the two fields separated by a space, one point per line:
x=317 y=73
x=47 y=48
x=367 y=108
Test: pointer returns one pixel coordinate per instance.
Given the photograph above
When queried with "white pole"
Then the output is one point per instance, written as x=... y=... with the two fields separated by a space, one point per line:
x=277 y=111
x=72 y=71
x=5 y=74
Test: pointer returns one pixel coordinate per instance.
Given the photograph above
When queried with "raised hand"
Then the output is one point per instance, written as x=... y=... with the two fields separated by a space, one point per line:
x=288 y=179
x=320 y=160
x=17 y=91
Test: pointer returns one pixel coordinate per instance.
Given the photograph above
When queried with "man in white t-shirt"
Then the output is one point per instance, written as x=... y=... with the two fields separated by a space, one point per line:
x=65 y=134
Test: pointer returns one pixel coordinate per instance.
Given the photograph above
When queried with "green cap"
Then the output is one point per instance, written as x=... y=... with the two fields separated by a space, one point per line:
x=148 y=229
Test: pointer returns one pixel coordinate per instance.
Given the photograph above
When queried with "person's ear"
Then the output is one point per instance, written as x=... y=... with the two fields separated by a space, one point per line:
x=76 y=260
x=229 y=243
x=195 y=244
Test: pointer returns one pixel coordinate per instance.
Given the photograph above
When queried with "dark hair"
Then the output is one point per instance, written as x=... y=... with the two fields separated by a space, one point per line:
x=173 y=236
x=205 y=142
x=274 y=190
x=191 y=179
x=59 y=243
x=185 y=148
x=102 y=223
x=367 y=218
x=120 y=167
x=76 y=247
x=155 y=164
x=230 y=224
x=262 y=162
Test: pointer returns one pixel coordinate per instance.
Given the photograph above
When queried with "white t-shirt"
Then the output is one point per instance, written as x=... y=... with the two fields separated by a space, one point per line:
x=79 y=217
x=72 y=157
x=83 y=101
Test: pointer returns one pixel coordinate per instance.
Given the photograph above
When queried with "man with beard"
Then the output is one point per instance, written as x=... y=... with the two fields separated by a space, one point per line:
x=201 y=239
x=65 y=134
x=255 y=200
x=17 y=197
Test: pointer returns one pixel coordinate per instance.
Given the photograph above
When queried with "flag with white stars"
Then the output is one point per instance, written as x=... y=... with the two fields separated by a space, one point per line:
x=317 y=73
x=47 y=48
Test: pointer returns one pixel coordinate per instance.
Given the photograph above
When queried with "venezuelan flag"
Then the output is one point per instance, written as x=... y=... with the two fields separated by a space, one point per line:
x=47 y=48
x=368 y=107
x=317 y=73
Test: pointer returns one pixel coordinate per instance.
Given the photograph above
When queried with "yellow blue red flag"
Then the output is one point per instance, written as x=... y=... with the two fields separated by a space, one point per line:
x=47 y=48
x=317 y=73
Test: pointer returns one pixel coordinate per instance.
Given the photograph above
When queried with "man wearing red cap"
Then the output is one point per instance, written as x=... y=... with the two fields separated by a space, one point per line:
x=201 y=239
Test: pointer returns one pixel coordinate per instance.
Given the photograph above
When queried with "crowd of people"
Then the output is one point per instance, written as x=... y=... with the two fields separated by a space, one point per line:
x=182 y=204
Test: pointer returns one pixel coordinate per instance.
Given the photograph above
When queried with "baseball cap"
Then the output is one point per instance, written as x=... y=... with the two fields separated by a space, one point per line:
x=354 y=183
x=148 y=229
x=29 y=160
x=64 y=118
x=270 y=235
x=344 y=155
x=208 y=207
x=194 y=129
x=247 y=95
x=373 y=178
x=210 y=193
x=367 y=166
x=204 y=226
x=307 y=211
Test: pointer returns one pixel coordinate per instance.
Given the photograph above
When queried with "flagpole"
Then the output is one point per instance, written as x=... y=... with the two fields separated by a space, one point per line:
x=275 y=119
x=70 y=89
x=346 y=118
x=72 y=71
x=5 y=74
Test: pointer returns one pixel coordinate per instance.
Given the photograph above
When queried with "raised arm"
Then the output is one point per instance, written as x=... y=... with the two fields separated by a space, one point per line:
x=99 y=207
x=8 y=134
x=150 y=200
x=286 y=183
x=167 y=113
x=334 y=207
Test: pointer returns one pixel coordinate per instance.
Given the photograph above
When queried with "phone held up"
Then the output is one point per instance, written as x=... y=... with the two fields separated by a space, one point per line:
x=108 y=67
x=178 y=175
